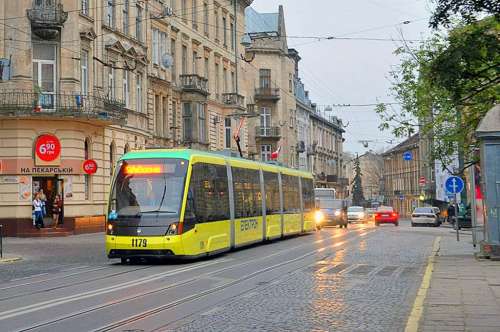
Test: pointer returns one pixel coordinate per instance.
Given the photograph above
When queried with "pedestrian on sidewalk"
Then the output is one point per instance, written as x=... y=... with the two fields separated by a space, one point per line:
x=38 y=206
x=43 y=198
x=56 y=210
x=451 y=213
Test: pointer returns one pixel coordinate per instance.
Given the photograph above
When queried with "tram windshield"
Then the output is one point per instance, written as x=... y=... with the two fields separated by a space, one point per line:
x=146 y=188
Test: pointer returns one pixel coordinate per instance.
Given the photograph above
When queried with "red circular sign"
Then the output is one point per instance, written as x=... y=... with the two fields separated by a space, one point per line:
x=90 y=166
x=48 y=147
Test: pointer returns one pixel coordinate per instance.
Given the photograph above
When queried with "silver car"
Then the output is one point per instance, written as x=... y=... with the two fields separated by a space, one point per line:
x=356 y=213
x=425 y=216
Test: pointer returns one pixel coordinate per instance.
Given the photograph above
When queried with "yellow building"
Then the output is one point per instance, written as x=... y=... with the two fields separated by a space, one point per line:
x=91 y=79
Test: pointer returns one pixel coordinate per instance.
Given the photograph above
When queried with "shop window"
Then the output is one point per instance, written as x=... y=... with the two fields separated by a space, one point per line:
x=208 y=197
x=247 y=194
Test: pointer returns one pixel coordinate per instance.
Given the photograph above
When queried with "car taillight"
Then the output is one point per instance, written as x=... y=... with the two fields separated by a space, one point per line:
x=174 y=229
x=394 y=214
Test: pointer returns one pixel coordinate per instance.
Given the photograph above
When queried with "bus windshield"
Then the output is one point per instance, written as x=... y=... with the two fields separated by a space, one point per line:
x=145 y=187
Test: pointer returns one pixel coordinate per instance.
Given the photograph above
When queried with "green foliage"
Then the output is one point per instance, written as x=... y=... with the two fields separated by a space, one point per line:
x=445 y=87
x=357 y=187
x=468 y=10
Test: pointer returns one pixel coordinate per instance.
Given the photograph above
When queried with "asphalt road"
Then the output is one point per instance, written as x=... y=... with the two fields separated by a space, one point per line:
x=364 y=278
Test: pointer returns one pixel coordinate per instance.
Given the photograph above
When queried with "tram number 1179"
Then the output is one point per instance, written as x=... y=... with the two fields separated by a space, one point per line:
x=139 y=243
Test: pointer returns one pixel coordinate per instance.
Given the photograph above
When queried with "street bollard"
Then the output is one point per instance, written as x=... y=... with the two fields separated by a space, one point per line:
x=1 y=241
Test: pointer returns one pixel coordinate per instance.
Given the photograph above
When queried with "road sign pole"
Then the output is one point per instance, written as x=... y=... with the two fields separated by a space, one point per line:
x=457 y=227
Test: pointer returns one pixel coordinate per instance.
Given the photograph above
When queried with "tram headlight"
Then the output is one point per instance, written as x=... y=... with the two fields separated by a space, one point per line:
x=110 y=229
x=319 y=216
x=337 y=213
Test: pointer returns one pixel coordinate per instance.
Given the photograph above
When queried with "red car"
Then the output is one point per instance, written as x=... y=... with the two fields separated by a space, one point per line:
x=386 y=215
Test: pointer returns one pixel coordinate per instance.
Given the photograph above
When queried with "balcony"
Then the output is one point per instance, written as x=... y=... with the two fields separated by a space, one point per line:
x=194 y=83
x=271 y=94
x=267 y=132
x=19 y=104
x=47 y=18
x=234 y=100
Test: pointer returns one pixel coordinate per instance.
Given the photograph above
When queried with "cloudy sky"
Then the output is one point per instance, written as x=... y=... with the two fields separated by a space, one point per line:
x=351 y=71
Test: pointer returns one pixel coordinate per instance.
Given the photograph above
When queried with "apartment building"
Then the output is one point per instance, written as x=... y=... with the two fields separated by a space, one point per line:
x=83 y=82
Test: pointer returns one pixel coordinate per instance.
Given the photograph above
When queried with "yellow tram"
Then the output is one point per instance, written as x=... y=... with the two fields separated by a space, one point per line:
x=188 y=203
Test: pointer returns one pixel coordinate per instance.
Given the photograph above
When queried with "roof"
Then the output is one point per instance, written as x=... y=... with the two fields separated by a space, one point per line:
x=413 y=140
x=188 y=154
x=490 y=124
x=261 y=22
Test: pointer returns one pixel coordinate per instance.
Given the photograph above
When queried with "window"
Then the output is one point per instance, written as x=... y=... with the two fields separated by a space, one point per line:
x=233 y=36
x=265 y=152
x=247 y=193
x=195 y=62
x=207 y=71
x=85 y=7
x=158 y=116
x=208 y=196
x=308 y=194
x=205 y=18
x=44 y=73
x=265 y=121
x=272 y=193
x=111 y=80
x=138 y=23
x=110 y=13
x=138 y=97
x=265 y=78
x=111 y=158
x=227 y=131
x=184 y=10
x=224 y=27
x=156 y=46
x=187 y=119
x=202 y=123
x=86 y=156
x=290 y=83
x=84 y=62
x=217 y=73
x=194 y=12
x=125 y=17
x=174 y=60
x=174 y=120
x=217 y=25
x=126 y=88
x=233 y=81
x=165 y=116
x=291 y=198
x=184 y=60
x=226 y=84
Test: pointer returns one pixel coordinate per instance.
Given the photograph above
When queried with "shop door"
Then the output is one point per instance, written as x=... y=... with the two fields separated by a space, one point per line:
x=60 y=192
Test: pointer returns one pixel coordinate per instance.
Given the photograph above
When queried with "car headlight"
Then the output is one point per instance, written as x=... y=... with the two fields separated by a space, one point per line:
x=362 y=215
x=337 y=213
x=319 y=216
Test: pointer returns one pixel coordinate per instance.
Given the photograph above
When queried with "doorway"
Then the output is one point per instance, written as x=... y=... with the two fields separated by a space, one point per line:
x=51 y=186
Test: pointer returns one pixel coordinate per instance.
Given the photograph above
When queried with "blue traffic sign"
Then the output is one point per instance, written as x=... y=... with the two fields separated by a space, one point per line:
x=454 y=185
x=407 y=156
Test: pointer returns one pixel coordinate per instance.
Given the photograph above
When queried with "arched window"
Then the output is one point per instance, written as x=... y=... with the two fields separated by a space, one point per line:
x=112 y=148
x=87 y=155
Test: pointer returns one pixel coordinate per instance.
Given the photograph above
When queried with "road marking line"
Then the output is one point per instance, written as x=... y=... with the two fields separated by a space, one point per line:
x=418 y=306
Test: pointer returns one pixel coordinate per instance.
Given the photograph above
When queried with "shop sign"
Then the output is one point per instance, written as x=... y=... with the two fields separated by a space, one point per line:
x=46 y=170
x=47 y=150
x=89 y=166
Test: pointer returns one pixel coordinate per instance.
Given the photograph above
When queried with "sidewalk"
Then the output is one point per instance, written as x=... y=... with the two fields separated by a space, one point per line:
x=464 y=292
x=9 y=258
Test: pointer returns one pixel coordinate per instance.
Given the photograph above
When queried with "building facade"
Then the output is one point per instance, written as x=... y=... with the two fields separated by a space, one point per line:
x=89 y=80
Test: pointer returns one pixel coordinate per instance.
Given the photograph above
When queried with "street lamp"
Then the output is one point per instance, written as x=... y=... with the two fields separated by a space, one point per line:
x=246 y=42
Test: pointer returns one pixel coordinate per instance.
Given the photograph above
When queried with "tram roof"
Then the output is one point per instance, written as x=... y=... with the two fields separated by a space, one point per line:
x=190 y=154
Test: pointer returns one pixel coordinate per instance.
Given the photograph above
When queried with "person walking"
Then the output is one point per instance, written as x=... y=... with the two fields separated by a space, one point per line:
x=56 y=210
x=43 y=198
x=38 y=206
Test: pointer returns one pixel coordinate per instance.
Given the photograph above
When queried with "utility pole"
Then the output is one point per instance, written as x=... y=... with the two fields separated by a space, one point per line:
x=235 y=39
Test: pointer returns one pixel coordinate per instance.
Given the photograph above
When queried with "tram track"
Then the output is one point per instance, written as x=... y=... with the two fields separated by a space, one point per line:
x=350 y=237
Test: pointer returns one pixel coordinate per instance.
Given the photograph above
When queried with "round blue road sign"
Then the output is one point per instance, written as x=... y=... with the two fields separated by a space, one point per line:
x=454 y=185
x=407 y=156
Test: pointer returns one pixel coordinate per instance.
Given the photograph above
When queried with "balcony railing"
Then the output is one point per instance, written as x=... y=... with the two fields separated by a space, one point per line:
x=267 y=93
x=30 y=104
x=267 y=132
x=194 y=83
x=47 y=18
x=233 y=100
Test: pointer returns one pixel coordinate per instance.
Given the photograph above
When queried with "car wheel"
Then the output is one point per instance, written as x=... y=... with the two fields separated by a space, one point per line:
x=396 y=224
x=412 y=225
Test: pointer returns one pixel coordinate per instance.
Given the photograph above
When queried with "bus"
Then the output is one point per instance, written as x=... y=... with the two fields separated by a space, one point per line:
x=188 y=203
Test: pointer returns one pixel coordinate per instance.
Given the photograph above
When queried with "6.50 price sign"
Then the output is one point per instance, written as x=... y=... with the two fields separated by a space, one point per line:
x=48 y=148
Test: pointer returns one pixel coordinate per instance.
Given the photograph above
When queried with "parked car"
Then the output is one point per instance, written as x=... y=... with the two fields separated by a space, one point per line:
x=386 y=215
x=356 y=213
x=425 y=216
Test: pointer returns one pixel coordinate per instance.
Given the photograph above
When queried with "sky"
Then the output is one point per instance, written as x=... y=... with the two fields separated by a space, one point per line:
x=351 y=71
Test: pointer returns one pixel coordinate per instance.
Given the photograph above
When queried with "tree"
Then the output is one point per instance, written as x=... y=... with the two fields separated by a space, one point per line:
x=445 y=87
x=467 y=10
x=357 y=186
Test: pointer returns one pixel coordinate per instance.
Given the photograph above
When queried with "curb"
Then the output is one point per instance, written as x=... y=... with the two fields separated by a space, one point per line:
x=10 y=259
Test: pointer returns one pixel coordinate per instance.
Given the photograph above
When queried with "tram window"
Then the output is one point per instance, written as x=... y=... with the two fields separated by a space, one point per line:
x=308 y=194
x=209 y=192
x=247 y=194
x=291 y=198
x=272 y=193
